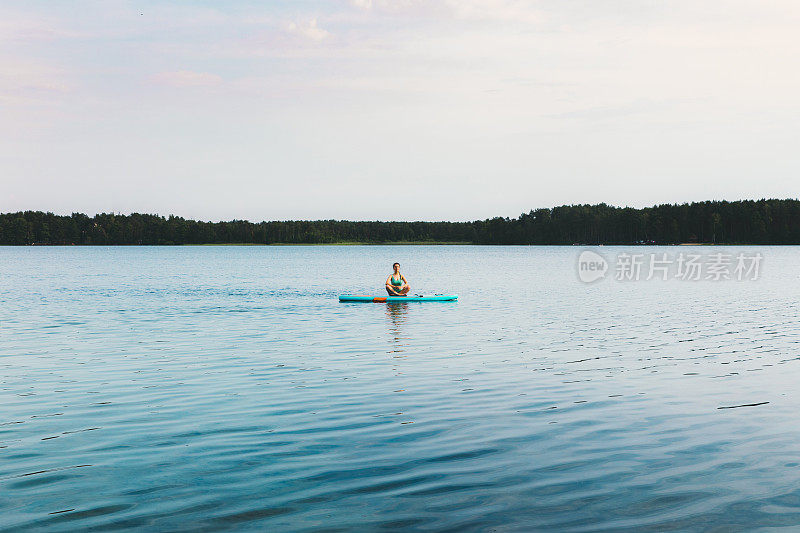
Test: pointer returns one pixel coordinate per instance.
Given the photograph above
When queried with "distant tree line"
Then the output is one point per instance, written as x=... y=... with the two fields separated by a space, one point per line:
x=741 y=222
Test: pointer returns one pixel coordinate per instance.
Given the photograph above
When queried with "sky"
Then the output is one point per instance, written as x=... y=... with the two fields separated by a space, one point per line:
x=394 y=110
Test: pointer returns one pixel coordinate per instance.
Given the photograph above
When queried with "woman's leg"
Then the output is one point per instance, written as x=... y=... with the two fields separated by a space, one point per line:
x=405 y=289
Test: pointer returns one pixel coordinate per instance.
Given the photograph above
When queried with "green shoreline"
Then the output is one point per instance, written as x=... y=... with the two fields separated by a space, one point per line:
x=343 y=243
x=768 y=222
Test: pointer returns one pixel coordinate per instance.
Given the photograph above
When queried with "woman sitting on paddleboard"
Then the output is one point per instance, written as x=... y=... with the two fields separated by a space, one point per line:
x=396 y=284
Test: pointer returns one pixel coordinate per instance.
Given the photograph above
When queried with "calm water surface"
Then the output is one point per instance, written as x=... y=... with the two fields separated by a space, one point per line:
x=210 y=388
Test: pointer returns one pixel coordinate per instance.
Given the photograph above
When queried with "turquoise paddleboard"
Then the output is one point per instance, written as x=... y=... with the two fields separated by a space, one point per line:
x=415 y=298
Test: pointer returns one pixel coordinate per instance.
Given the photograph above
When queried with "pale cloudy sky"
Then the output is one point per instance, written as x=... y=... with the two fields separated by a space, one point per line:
x=394 y=110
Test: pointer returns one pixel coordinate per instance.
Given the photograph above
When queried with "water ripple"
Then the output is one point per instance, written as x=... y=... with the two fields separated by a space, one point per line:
x=185 y=389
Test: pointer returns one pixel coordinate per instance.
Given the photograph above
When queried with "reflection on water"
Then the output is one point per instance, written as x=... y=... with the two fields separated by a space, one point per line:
x=210 y=388
x=397 y=313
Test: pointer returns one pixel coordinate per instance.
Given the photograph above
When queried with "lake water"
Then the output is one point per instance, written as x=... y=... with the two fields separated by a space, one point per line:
x=209 y=388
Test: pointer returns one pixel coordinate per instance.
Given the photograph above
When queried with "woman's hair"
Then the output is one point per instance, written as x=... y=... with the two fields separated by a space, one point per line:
x=393 y=264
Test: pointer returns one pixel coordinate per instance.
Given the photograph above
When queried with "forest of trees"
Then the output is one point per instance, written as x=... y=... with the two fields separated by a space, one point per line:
x=740 y=222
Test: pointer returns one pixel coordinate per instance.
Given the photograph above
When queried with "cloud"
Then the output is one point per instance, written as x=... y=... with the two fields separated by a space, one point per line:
x=384 y=5
x=471 y=10
x=308 y=29
x=21 y=28
x=187 y=78
x=30 y=82
x=497 y=10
